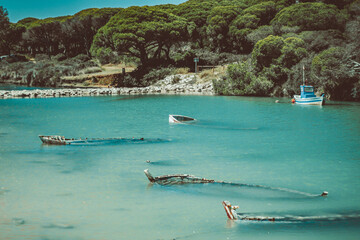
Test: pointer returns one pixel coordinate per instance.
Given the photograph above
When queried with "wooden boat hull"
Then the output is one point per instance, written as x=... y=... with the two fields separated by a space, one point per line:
x=233 y=215
x=53 y=140
x=59 y=140
x=173 y=179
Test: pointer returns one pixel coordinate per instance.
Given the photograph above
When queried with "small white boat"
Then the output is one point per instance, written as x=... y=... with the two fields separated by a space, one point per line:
x=180 y=119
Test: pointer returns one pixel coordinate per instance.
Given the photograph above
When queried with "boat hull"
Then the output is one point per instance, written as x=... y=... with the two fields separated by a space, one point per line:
x=309 y=101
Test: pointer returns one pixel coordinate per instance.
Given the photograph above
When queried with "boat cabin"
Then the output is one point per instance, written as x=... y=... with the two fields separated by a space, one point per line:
x=307 y=91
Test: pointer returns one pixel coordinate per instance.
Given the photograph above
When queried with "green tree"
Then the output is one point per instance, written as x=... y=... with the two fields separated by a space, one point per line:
x=239 y=30
x=196 y=12
x=311 y=16
x=4 y=30
x=265 y=11
x=292 y=52
x=44 y=38
x=142 y=32
x=10 y=34
x=218 y=26
x=266 y=51
x=333 y=75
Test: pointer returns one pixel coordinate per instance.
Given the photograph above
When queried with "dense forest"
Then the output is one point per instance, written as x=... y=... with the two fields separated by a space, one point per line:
x=264 y=44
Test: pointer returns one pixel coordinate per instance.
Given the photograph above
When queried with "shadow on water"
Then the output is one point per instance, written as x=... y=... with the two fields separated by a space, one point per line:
x=164 y=163
x=3 y=134
x=218 y=125
x=65 y=160
x=128 y=97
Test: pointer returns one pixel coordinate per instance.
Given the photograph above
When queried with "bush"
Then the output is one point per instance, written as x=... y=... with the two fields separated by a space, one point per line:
x=156 y=75
x=59 y=57
x=240 y=80
x=318 y=41
x=185 y=58
x=266 y=51
x=42 y=57
x=292 y=52
x=333 y=74
x=259 y=34
x=182 y=70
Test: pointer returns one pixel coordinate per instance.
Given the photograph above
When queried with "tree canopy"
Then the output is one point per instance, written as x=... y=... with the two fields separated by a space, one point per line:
x=142 y=32
x=311 y=16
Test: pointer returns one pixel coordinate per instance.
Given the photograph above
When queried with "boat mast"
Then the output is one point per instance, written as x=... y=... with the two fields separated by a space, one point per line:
x=303 y=75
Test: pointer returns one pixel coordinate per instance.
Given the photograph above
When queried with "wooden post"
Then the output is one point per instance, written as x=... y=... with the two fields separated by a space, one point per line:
x=196 y=60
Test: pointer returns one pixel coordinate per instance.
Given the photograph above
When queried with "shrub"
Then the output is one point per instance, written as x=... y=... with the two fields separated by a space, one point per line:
x=318 y=41
x=240 y=80
x=259 y=34
x=266 y=50
x=59 y=57
x=41 y=57
x=182 y=70
x=156 y=75
x=292 y=52
x=333 y=74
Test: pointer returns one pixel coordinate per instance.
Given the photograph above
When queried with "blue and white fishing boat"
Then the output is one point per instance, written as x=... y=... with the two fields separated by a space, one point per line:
x=308 y=96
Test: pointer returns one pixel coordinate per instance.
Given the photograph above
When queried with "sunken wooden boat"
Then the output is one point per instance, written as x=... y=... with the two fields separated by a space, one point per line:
x=176 y=179
x=232 y=214
x=55 y=140
x=61 y=140
x=180 y=119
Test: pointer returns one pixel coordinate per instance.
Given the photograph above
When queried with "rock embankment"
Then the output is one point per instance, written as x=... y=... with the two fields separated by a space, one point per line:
x=177 y=84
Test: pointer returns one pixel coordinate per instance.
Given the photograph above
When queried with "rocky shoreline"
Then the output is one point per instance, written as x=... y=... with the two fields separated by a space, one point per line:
x=185 y=84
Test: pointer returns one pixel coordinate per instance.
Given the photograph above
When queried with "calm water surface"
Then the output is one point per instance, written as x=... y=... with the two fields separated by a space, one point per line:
x=100 y=191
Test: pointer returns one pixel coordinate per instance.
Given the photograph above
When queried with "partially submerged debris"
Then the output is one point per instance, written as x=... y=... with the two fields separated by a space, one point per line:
x=233 y=215
x=61 y=140
x=176 y=179
x=186 y=179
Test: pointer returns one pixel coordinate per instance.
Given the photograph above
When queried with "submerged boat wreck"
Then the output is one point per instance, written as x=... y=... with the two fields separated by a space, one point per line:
x=176 y=179
x=61 y=140
x=232 y=214
x=180 y=119
x=187 y=179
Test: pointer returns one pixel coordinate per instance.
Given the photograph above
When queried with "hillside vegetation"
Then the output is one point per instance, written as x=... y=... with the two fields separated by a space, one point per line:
x=264 y=44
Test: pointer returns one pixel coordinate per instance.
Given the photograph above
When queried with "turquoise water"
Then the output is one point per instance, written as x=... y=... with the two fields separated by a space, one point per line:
x=100 y=191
